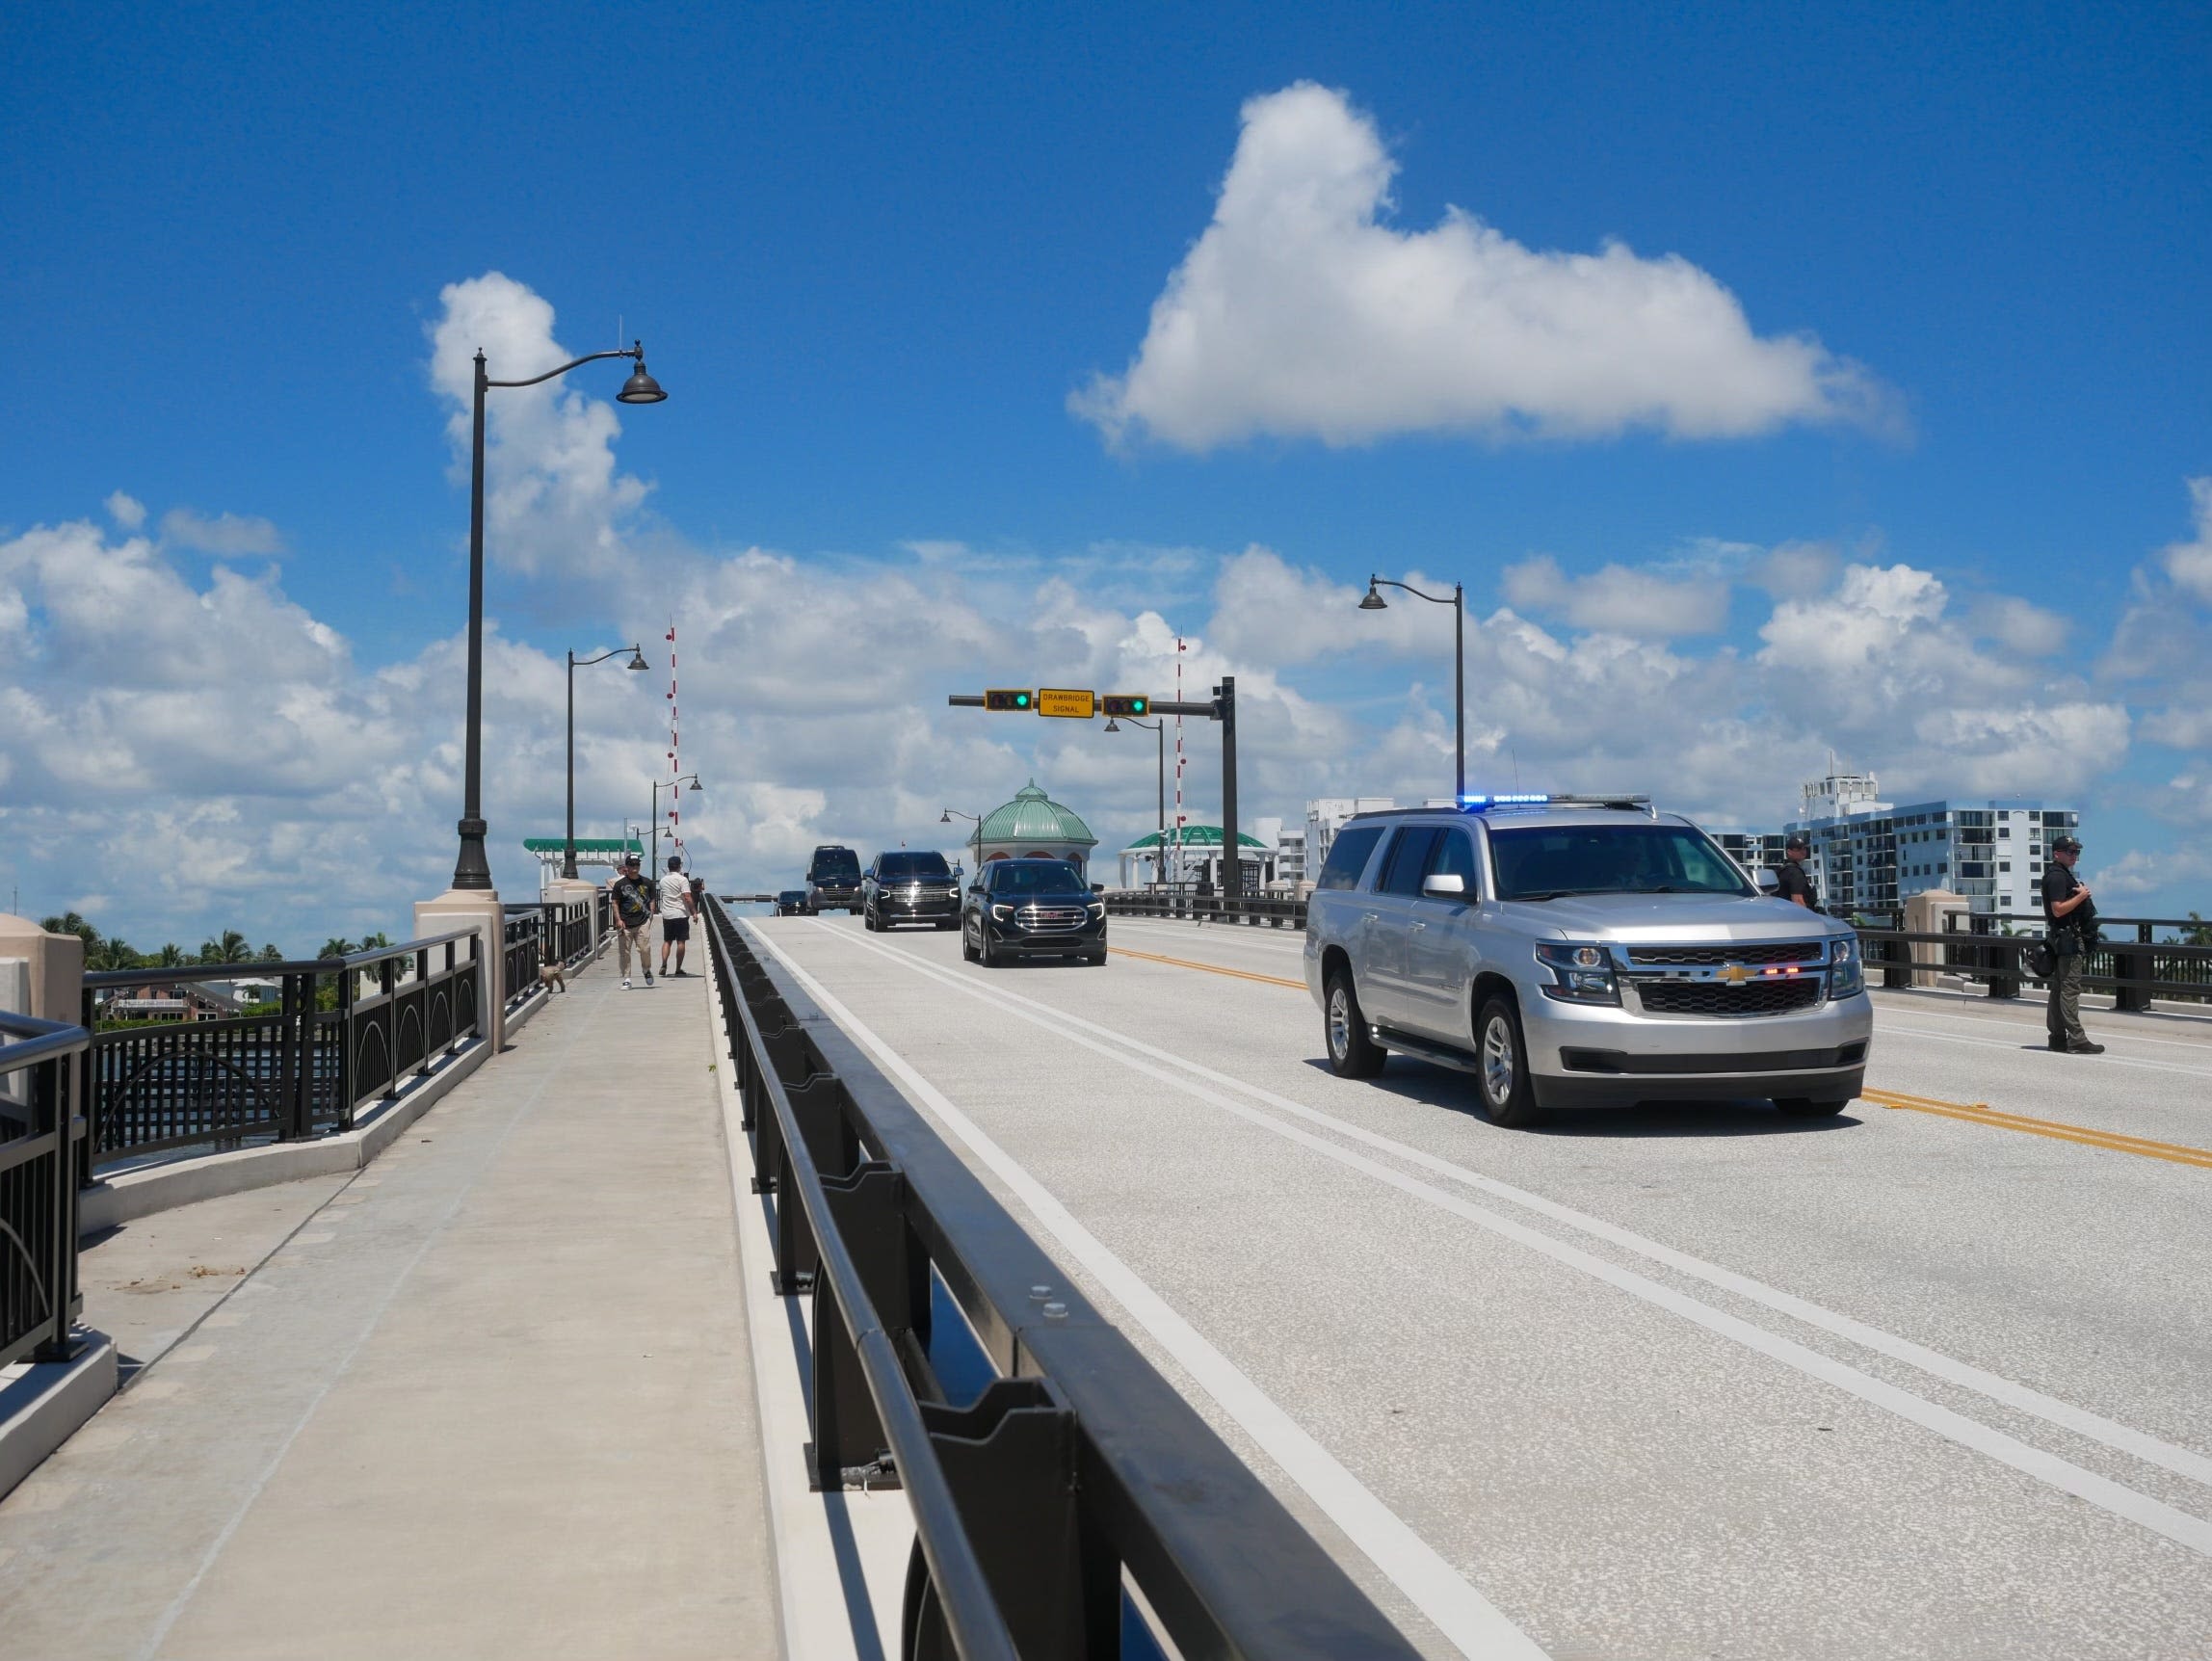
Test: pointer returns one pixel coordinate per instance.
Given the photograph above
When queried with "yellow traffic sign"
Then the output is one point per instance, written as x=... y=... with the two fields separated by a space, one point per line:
x=1060 y=700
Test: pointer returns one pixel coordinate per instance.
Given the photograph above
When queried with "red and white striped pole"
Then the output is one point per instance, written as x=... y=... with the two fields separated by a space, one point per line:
x=1177 y=867
x=675 y=752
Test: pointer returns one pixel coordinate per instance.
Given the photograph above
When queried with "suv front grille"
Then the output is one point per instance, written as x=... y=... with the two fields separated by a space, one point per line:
x=1718 y=998
x=1695 y=956
x=1050 y=917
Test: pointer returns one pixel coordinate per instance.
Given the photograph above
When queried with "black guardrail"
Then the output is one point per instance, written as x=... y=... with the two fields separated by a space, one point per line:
x=1263 y=910
x=1075 y=1462
x=39 y=1126
x=2134 y=971
x=341 y=1031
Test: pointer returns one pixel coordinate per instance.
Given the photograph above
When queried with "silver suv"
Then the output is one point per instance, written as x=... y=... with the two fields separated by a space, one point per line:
x=1579 y=950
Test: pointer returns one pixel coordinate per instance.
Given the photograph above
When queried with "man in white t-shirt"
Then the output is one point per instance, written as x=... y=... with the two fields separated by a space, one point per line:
x=677 y=908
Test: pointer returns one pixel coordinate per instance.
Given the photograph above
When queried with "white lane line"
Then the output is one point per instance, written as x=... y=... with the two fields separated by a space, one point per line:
x=2201 y=1045
x=1473 y=1624
x=2113 y=1496
x=2014 y=1048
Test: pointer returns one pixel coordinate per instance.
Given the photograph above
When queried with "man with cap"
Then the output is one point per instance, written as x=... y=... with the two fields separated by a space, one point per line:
x=2069 y=928
x=630 y=902
x=1790 y=880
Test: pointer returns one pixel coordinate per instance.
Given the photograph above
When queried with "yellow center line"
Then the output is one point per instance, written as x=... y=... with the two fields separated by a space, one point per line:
x=1970 y=1112
x=1982 y=1113
x=1210 y=968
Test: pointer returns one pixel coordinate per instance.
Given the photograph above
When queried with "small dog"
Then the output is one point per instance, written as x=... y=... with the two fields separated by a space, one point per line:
x=550 y=976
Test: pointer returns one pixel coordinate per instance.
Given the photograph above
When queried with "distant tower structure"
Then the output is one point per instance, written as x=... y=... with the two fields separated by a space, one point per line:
x=676 y=748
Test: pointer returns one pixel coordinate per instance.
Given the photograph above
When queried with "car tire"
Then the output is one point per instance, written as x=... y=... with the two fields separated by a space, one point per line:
x=868 y=920
x=1501 y=1067
x=1803 y=1107
x=984 y=954
x=1352 y=1053
x=968 y=953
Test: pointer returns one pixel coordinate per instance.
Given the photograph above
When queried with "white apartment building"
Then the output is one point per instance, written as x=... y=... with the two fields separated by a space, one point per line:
x=1873 y=855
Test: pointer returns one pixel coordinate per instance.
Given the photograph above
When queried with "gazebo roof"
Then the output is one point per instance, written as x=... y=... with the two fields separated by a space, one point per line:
x=1032 y=816
x=585 y=845
x=1195 y=836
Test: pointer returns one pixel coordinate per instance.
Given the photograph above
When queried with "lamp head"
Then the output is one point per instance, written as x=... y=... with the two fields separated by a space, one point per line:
x=1374 y=602
x=695 y=782
x=637 y=661
x=946 y=817
x=640 y=387
x=1113 y=725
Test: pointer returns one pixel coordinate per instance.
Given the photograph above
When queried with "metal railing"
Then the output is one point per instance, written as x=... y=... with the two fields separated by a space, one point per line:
x=342 y=1030
x=522 y=938
x=39 y=1126
x=2133 y=970
x=1271 y=910
x=564 y=932
x=1076 y=1462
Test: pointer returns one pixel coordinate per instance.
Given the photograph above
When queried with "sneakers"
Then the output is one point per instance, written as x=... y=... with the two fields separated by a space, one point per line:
x=648 y=977
x=2085 y=1049
x=626 y=988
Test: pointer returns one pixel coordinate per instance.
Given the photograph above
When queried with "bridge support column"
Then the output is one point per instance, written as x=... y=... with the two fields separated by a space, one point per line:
x=475 y=909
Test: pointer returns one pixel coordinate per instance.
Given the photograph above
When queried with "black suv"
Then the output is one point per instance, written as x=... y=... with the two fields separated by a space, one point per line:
x=1032 y=908
x=902 y=887
x=833 y=880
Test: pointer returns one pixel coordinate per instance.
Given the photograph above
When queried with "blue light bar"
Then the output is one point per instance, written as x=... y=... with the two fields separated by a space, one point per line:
x=1549 y=798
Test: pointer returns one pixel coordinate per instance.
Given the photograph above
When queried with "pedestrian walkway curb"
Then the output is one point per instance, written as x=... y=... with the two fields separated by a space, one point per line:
x=44 y=1404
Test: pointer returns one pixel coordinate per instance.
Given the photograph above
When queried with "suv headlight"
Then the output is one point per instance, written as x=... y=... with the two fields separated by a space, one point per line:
x=1000 y=914
x=1582 y=973
x=1097 y=908
x=1847 y=975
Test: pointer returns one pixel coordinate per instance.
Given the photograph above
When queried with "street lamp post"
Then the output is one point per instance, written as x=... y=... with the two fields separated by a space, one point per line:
x=1457 y=601
x=975 y=819
x=674 y=784
x=637 y=662
x=472 y=869
x=1160 y=726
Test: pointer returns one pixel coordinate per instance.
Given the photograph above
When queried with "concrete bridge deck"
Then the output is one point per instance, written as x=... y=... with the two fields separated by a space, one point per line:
x=1927 y=1380
x=488 y=1398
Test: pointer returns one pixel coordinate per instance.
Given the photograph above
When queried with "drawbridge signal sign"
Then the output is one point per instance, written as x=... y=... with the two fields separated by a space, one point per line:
x=1066 y=703
x=1007 y=697
x=1132 y=703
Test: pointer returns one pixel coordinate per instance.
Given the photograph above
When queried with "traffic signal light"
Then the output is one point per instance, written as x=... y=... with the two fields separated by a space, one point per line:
x=1126 y=703
x=1007 y=697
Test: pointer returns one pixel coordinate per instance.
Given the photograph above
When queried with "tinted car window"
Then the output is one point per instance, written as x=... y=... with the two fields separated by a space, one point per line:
x=1348 y=857
x=904 y=867
x=1408 y=859
x=835 y=862
x=1542 y=863
x=1455 y=857
x=1043 y=877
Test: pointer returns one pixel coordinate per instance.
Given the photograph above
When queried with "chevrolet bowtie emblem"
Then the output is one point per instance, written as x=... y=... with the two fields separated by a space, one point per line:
x=1735 y=974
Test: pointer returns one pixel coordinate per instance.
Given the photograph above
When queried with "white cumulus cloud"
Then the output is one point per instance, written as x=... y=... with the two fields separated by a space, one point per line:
x=227 y=534
x=1619 y=600
x=554 y=501
x=2190 y=564
x=1301 y=312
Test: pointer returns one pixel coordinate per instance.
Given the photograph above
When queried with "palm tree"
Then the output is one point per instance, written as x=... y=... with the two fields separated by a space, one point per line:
x=375 y=942
x=113 y=954
x=232 y=948
x=69 y=923
x=270 y=955
x=170 y=957
x=2199 y=933
x=337 y=946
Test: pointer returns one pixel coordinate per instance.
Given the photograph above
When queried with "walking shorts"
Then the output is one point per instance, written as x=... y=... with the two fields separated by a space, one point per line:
x=675 y=928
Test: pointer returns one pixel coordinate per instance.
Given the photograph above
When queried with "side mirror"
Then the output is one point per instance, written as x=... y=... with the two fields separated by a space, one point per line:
x=1769 y=879
x=1444 y=885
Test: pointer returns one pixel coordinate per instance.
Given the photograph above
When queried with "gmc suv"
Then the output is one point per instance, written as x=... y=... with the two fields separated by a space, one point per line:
x=832 y=879
x=1579 y=950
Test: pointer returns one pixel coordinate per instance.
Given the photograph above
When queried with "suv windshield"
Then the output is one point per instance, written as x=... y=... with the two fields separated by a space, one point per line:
x=1044 y=877
x=835 y=862
x=1543 y=864
x=905 y=867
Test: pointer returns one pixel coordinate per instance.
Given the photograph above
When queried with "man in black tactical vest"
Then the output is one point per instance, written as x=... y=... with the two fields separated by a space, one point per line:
x=2069 y=928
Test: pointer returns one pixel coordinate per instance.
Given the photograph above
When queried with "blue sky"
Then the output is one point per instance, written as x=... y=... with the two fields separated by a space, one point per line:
x=872 y=253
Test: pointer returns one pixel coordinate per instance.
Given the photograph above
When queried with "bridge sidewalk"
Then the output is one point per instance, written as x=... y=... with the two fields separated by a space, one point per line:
x=491 y=1398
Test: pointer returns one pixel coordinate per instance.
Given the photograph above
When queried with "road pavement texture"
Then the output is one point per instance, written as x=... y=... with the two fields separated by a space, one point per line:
x=489 y=1398
x=1926 y=1380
